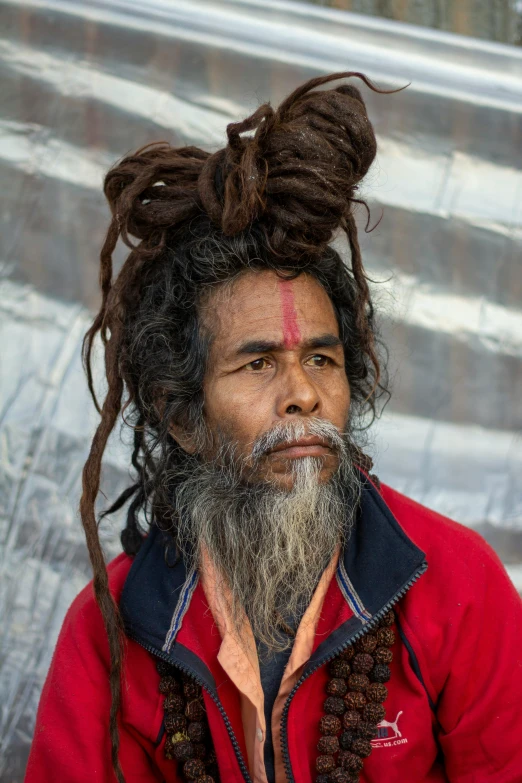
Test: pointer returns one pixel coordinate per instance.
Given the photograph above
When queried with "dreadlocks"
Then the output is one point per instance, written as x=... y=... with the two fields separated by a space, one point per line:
x=271 y=199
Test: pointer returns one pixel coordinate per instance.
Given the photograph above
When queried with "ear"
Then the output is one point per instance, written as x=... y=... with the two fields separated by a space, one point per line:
x=182 y=438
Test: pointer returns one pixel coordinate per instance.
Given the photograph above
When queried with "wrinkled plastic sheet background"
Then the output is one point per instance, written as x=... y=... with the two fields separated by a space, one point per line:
x=81 y=84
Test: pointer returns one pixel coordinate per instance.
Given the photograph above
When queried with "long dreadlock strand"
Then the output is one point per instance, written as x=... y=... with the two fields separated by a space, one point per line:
x=364 y=297
x=91 y=484
x=105 y=279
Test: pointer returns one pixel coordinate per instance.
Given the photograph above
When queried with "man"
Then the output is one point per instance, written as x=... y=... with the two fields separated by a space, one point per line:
x=286 y=617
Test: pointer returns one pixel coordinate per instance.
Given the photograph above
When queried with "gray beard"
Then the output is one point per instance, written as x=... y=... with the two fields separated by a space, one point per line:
x=269 y=545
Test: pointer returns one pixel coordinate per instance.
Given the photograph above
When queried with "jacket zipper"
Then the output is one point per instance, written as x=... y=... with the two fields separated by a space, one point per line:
x=190 y=673
x=370 y=625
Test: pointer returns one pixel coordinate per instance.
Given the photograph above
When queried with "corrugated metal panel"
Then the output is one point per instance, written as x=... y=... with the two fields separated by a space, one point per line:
x=495 y=20
x=82 y=83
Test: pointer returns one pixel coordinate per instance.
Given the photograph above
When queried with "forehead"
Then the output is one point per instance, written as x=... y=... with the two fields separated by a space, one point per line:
x=260 y=305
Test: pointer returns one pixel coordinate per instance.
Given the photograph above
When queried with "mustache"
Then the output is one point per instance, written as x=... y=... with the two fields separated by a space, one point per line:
x=284 y=433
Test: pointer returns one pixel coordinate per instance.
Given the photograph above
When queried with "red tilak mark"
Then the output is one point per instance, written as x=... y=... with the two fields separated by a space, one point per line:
x=291 y=333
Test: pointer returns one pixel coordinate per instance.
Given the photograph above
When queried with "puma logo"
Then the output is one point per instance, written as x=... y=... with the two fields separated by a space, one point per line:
x=391 y=725
x=385 y=738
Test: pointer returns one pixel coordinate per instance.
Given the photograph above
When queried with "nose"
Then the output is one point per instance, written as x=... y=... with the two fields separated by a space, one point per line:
x=298 y=394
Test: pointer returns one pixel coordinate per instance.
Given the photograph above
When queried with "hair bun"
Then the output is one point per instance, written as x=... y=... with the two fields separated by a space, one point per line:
x=297 y=173
x=294 y=170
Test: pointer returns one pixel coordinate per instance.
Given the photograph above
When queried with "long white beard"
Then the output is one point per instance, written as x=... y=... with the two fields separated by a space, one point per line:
x=269 y=545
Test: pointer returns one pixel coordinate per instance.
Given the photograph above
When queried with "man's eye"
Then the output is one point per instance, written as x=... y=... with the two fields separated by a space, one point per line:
x=318 y=360
x=257 y=364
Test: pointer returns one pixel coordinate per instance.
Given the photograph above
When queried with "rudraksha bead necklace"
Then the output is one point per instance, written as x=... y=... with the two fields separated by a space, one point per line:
x=353 y=708
x=186 y=726
x=354 y=704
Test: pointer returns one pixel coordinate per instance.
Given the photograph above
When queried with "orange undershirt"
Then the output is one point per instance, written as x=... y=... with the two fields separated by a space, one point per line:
x=238 y=657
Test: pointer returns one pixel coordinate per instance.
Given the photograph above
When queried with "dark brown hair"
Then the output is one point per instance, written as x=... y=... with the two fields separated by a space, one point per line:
x=272 y=198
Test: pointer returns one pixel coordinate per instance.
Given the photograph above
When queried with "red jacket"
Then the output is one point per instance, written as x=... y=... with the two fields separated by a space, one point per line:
x=454 y=710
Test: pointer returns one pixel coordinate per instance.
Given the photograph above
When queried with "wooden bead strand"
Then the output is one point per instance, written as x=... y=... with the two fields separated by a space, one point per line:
x=188 y=736
x=354 y=704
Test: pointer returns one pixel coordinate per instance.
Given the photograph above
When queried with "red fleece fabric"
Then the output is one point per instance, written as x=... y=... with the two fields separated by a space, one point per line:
x=462 y=619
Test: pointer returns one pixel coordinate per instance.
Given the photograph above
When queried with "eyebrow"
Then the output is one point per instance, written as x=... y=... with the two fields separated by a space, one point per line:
x=268 y=346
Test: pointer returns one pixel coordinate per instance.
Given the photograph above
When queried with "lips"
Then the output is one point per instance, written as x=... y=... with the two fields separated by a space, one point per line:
x=310 y=446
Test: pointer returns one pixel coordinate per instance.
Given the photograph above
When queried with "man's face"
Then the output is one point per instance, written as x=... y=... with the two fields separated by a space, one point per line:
x=276 y=357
